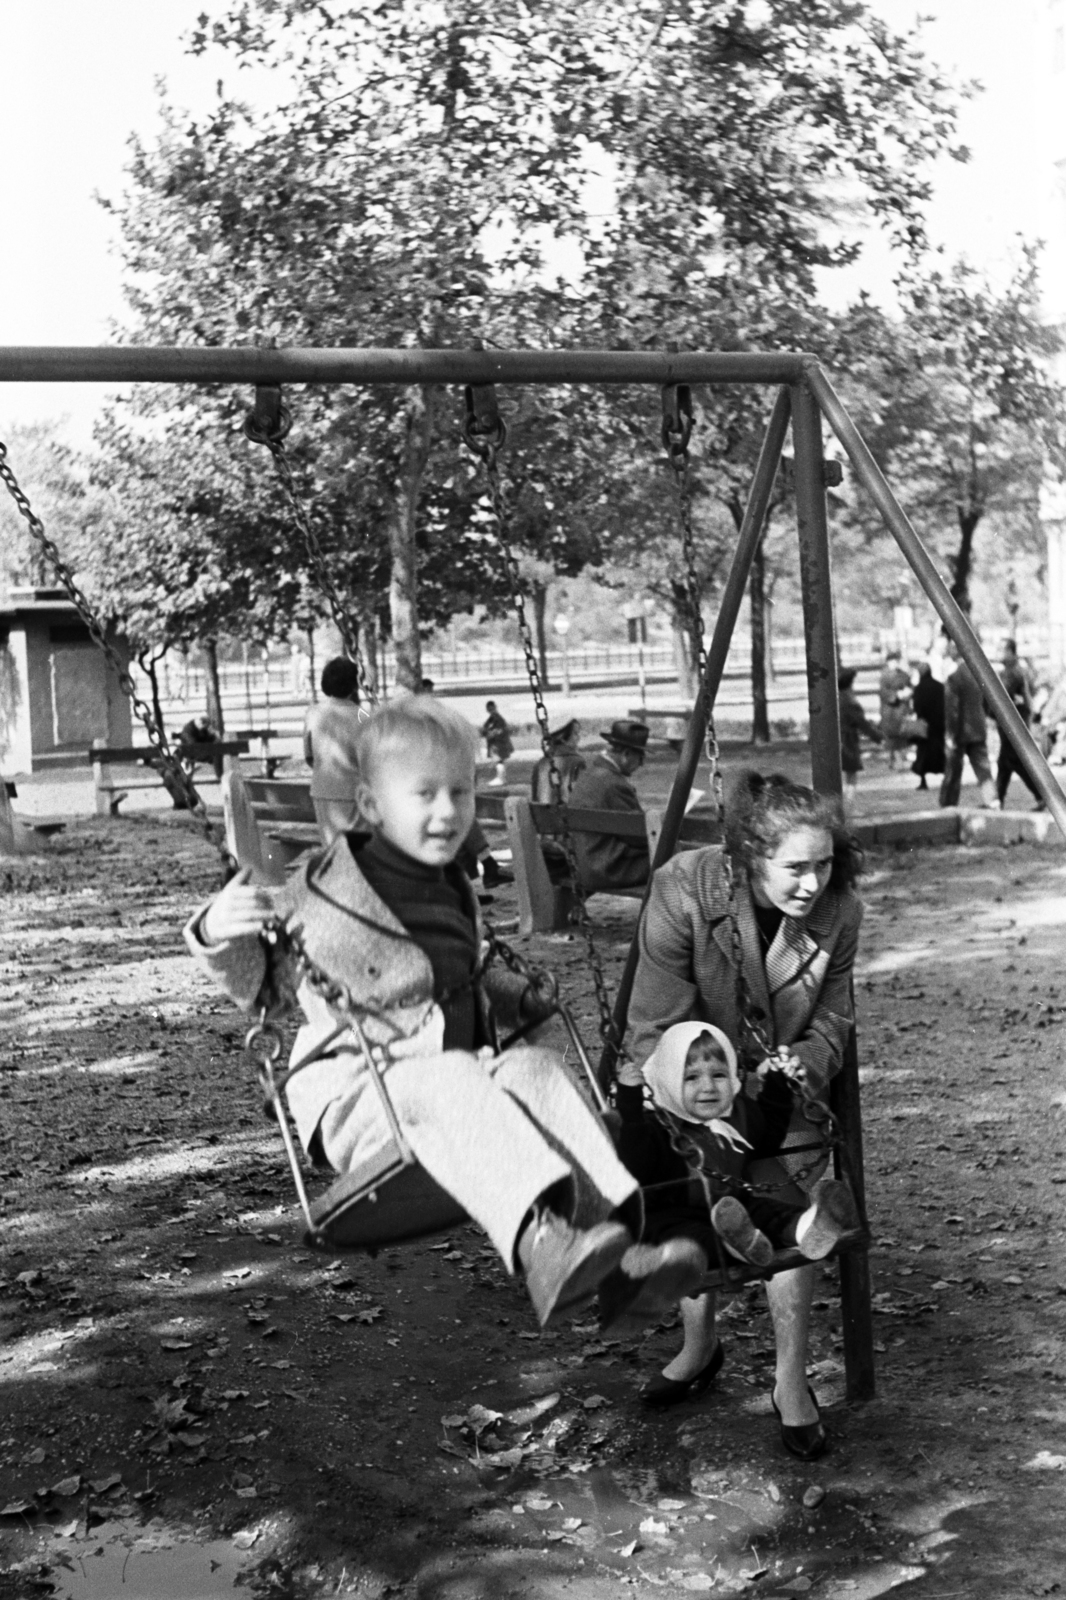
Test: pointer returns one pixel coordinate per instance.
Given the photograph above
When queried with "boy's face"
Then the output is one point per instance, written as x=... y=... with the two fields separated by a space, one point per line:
x=706 y=1090
x=422 y=801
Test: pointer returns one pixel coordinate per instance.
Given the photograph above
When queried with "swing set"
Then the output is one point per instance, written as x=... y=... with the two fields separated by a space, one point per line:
x=399 y=1200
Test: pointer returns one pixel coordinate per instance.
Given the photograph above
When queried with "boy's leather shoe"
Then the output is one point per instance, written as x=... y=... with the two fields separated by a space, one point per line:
x=739 y=1234
x=650 y=1280
x=564 y=1265
x=831 y=1214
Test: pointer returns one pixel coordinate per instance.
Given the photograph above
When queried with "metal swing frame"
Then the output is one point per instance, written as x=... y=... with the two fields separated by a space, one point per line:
x=805 y=399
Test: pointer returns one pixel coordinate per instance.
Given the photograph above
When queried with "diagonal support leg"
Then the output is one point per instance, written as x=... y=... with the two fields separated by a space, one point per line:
x=732 y=599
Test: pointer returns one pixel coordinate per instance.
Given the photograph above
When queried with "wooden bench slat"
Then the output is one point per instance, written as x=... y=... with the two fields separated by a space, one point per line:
x=145 y=752
x=615 y=824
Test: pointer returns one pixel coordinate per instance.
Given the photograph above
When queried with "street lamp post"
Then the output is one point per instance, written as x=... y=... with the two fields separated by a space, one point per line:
x=562 y=628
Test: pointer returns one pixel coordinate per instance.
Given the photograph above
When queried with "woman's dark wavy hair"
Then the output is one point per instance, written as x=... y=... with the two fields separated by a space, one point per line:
x=760 y=810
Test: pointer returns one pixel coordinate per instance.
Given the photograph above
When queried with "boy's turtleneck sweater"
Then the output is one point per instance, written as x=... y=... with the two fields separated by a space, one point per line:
x=431 y=904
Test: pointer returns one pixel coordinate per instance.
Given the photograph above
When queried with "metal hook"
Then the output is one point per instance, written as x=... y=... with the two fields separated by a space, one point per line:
x=677 y=419
x=484 y=430
x=270 y=418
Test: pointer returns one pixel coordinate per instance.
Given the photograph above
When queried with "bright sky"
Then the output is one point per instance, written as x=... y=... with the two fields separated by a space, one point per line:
x=77 y=77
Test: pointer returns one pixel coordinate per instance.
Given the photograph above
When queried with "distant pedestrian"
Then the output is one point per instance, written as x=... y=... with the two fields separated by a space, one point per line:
x=606 y=862
x=894 y=690
x=1016 y=682
x=965 y=734
x=496 y=732
x=199 y=731
x=854 y=723
x=330 y=730
x=928 y=703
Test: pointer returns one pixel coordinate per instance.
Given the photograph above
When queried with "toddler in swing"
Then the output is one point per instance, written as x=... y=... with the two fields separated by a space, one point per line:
x=394 y=918
x=695 y=1085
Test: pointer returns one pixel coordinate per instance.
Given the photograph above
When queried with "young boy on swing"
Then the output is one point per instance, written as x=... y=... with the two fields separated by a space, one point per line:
x=394 y=918
x=694 y=1082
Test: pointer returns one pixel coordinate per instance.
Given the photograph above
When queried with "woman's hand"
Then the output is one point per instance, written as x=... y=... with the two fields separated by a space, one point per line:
x=241 y=908
x=781 y=1061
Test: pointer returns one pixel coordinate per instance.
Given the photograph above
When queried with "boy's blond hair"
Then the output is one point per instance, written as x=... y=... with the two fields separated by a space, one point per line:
x=416 y=720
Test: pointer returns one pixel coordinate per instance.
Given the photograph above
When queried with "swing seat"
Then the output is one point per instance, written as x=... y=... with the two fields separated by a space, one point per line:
x=387 y=1203
x=784 y=1260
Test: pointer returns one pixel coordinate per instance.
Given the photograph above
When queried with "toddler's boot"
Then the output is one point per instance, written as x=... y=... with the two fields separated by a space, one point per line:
x=739 y=1234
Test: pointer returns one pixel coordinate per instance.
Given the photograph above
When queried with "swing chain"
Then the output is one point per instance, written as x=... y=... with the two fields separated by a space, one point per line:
x=485 y=433
x=156 y=734
x=676 y=433
x=268 y=423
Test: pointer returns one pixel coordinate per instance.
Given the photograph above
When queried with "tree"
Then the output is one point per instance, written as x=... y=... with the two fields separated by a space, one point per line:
x=960 y=406
x=54 y=478
x=417 y=179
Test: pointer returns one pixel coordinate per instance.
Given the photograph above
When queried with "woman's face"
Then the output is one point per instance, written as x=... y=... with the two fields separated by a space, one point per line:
x=796 y=874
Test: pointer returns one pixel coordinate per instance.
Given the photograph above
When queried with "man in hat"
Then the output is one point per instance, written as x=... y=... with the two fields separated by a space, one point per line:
x=605 y=862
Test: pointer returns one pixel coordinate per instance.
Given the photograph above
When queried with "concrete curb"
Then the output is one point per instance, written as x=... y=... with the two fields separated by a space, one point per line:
x=952 y=826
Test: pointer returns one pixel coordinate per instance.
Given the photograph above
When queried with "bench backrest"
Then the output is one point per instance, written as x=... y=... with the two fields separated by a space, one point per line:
x=146 y=752
x=281 y=799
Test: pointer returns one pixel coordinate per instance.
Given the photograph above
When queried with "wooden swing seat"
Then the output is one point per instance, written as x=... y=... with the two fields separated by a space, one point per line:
x=361 y=1211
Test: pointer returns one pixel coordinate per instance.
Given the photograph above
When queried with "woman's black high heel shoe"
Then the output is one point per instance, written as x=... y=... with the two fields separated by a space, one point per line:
x=664 y=1391
x=808 y=1440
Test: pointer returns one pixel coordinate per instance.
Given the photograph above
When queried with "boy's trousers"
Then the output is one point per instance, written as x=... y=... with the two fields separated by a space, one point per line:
x=497 y=1133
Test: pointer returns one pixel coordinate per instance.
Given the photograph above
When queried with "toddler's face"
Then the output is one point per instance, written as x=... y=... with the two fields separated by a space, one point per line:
x=706 y=1090
x=422 y=800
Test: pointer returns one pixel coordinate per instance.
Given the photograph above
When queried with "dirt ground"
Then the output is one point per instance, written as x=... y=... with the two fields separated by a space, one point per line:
x=193 y=1400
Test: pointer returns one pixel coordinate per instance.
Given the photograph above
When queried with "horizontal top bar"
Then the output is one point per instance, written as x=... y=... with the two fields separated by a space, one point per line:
x=250 y=364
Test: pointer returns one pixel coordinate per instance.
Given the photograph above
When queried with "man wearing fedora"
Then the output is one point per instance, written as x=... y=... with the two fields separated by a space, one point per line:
x=605 y=862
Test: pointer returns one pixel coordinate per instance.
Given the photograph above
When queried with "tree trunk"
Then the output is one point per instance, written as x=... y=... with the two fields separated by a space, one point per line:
x=963 y=563
x=403 y=550
x=760 y=714
x=148 y=667
x=538 y=593
x=681 y=627
x=213 y=687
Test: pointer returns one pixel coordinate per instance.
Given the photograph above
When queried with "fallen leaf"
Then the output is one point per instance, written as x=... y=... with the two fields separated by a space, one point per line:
x=813 y=1496
x=631 y=1548
x=650 y=1525
x=1044 y=1461
x=245 y=1539
x=17 y=1508
x=505 y=1460
x=571 y=1523
x=235 y=1394
x=593 y=1402
x=69 y=1485
x=237 y=1272
x=526 y=1414
x=34 y=1458
x=698 y=1582
x=66 y=1530
x=281 y=1366
x=246 y=1494
x=102 y=1485
x=371 y=1314
x=670 y=1505
x=175 y=1344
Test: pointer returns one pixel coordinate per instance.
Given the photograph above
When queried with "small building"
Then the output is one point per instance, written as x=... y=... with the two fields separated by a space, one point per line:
x=57 y=690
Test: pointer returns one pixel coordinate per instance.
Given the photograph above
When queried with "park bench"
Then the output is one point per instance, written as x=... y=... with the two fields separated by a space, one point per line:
x=545 y=904
x=262 y=737
x=674 y=720
x=12 y=825
x=110 y=794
